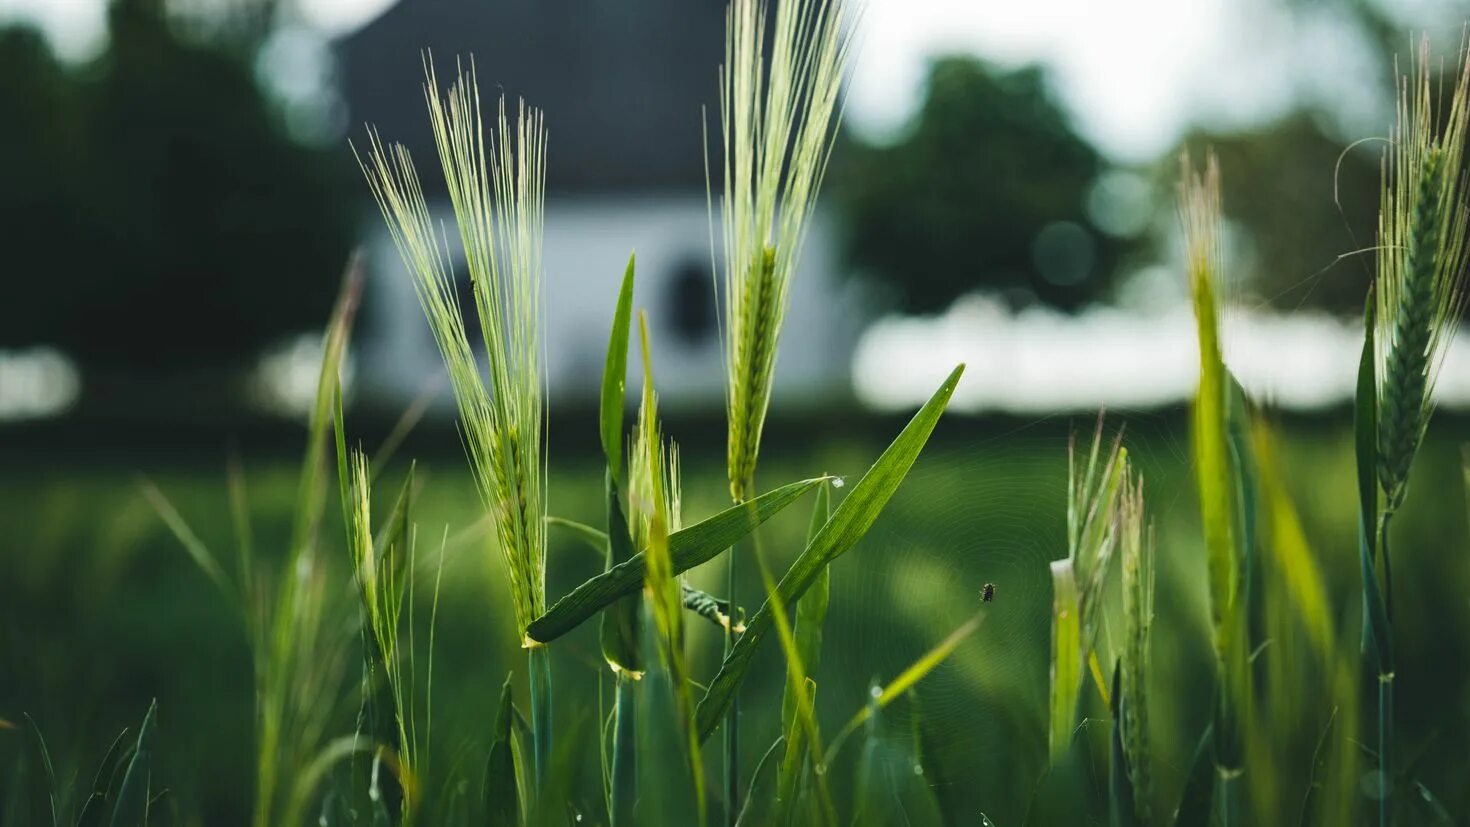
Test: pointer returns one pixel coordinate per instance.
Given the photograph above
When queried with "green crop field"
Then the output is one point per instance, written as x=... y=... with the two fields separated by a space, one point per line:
x=104 y=612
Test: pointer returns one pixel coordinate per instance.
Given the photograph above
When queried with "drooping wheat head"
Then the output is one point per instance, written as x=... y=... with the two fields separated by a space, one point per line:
x=779 y=109
x=496 y=185
x=1421 y=264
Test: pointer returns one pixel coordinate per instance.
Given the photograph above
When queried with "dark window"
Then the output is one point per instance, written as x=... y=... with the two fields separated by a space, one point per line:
x=691 y=302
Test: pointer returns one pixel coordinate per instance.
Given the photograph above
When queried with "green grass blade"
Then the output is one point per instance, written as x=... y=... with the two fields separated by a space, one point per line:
x=310 y=496
x=1197 y=801
x=615 y=375
x=796 y=768
x=1292 y=562
x=591 y=536
x=197 y=550
x=761 y=801
x=906 y=680
x=500 y=795
x=811 y=610
x=304 y=785
x=848 y=524
x=700 y=602
x=1066 y=661
x=888 y=791
x=43 y=797
x=1365 y=433
x=688 y=548
x=804 y=721
x=92 y=810
x=131 y=809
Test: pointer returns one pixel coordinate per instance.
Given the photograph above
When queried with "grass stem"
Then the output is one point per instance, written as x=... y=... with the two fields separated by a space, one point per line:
x=1385 y=681
x=625 y=749
x=539 y=659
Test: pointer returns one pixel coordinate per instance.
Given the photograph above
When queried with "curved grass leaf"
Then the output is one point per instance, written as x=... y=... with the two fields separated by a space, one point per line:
x=1197 y=800
x=1365 y=433
x=848 y=524
x=92 y=810
x=804 y=729
x=688 y=548
x=761 y=801
x=591 y=536
x=811 y=610
x=304 y=786
x=888 y=791
x=131 y=809
x=43 y=794
x=615 y=375
x=906 y=680
x=500 y=794
x=1066 y=663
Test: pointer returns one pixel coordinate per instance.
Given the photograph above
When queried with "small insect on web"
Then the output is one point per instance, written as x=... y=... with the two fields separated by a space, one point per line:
x=987 y=594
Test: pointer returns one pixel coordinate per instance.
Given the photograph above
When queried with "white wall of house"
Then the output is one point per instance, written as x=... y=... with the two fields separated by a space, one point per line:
x=587 y=243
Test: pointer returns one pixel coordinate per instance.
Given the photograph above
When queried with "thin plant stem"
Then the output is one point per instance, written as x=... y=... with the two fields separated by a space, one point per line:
x=732 y=733
x=1385 y=681
x=625 y=753
x=539 y=662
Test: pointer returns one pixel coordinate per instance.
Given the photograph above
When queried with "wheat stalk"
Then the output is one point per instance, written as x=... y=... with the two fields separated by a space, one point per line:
x=779 y=109
x=496 y=186
x=1421 y=266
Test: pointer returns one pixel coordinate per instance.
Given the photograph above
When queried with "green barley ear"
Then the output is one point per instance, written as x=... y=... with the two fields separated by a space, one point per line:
x=654 y=509
x=779 y=107
x=1137 y=541
x=1078 y=579
x=1222 y=484
x=1421 y=265
x=496 y=184
x=382 y=569
x=1200 y=216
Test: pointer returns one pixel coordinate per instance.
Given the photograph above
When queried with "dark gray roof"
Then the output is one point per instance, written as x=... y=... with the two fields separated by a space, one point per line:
x=622 y=82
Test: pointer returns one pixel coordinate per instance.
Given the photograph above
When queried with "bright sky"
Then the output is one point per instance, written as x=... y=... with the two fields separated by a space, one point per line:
x=1134 y=72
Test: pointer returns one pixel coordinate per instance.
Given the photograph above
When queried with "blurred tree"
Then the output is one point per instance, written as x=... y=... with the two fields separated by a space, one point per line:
x=165 y=218
x=1304 y=207
x=984 y=190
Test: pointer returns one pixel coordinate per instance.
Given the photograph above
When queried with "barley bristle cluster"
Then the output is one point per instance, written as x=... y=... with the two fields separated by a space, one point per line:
x=1079 y=579
x=1092 y=522
x=1421 y=263
x=496 y=184
x=779 y=110
x=1137 y=541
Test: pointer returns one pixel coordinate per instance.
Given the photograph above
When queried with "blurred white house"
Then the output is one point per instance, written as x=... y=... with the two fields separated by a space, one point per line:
x=627 y=89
